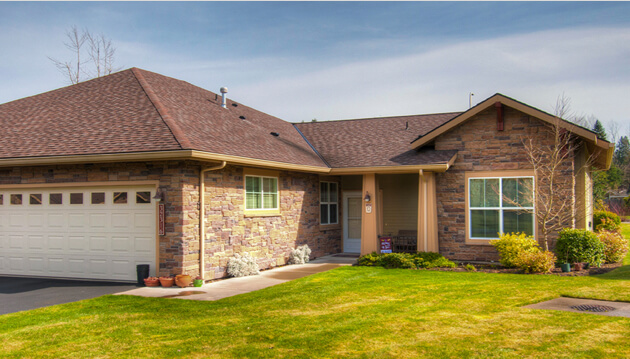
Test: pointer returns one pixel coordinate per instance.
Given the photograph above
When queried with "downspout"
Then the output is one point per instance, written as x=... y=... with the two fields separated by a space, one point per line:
x=202 y=216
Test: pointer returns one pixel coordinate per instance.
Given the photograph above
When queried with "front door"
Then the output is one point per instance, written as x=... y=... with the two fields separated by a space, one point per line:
x=352 y=206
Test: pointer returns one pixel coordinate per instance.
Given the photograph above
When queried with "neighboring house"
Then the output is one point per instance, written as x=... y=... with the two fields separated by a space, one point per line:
x=98 y=177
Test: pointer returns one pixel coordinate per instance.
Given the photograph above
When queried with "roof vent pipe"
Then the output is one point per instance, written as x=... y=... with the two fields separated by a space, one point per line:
x=223 y=90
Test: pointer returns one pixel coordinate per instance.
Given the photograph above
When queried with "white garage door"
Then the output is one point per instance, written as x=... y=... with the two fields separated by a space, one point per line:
x=89 y=232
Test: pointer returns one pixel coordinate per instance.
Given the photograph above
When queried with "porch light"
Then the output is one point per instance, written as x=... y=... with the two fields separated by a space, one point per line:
x=159 y=195
x=367 y=196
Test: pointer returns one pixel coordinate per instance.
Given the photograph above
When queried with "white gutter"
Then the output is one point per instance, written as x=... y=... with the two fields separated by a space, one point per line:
x=202 y=216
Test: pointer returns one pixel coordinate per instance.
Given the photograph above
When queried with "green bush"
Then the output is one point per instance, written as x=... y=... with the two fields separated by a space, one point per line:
x=406 y=260
x=615 y=246
x=536 y=262
x=579 y=245
x=605 y=220
x=510 y=246
x=471 y=268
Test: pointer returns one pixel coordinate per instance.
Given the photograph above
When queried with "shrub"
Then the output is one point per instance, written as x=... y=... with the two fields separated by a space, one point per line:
x=369 y=260
x=406 y=260
x=536 y=262
x=242 y=265
x=605 y=220
x=300 y=255
x=579 y=245
x=615 y=246
x=471 y=268
x=511 y=245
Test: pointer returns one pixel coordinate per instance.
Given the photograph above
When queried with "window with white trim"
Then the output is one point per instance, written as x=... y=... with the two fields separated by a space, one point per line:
x=261 y=192
x=328 y=203
x=500 y=205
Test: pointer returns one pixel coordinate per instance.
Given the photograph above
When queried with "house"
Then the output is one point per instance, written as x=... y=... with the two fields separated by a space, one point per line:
x=98 y=177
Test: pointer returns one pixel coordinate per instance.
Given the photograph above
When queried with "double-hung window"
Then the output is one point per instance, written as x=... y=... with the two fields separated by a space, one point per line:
x=500 y=205
x=328 y=203
x=261 y=193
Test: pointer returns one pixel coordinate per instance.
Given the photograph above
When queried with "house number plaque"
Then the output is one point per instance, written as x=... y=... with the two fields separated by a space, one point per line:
x=161 y=219
x=368 y=208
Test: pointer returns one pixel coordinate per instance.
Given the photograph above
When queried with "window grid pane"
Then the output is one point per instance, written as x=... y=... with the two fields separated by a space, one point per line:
x=500 y=205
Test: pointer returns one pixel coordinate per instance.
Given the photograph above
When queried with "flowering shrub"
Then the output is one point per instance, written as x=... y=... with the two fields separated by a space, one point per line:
x=511 y=245
x=615 y=246
x=536 y=262
x=300 y=255
x=605 y=220
x=242 y=265
x=579 y=245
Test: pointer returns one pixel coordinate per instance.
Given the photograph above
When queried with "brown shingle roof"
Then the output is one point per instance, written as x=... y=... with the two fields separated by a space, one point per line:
x=375 y=141
x=137 y=111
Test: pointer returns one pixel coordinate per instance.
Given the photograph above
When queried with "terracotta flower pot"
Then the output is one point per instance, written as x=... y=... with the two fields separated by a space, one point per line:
x=167 y=281
x=183 y=280
x=151 y=282
x=577 y=267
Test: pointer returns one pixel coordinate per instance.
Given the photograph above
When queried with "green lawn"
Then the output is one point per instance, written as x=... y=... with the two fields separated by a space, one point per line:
x=347 y=312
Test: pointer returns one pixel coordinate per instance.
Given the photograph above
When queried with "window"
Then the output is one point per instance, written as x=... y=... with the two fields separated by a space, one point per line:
x=120 y=197
x=76 y=198
x=16 y=199
x=328 y=203
x=55 y=198
x=35 y=198
x=261 y=192
x=143 y=197
x=500 y=205
x=98 y=198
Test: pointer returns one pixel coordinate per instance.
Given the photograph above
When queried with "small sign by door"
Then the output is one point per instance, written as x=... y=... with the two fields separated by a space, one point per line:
x=386 y=244
x=368 y=208
x=161 y=219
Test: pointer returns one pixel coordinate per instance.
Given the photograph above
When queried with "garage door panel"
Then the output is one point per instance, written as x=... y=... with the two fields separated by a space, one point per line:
x=56 y=242
x=37 y=265
x=17 y=220
x=56 y=220
x=17 y=241
x=94 y=237
x=99 y=244
x=36 y=242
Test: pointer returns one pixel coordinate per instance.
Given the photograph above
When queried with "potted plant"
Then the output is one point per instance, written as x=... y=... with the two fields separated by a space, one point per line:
x=198 y=282
x=183 y=280
x=151 y=281
x=577 y=266
x=167 y=281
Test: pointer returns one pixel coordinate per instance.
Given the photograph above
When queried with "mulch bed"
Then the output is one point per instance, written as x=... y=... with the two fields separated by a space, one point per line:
x=488 y=268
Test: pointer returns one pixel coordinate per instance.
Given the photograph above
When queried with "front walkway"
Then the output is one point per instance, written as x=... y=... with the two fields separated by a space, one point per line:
x=234 y=286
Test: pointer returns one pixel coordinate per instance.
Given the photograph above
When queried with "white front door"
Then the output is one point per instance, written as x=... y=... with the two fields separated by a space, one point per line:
x=77 y=232
x=352 y=209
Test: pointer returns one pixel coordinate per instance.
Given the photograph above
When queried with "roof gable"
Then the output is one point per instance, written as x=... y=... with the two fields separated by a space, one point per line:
x=602 y=149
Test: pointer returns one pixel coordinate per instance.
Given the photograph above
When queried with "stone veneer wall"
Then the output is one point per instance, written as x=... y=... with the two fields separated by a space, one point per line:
x=481 y=147
x=269 y=239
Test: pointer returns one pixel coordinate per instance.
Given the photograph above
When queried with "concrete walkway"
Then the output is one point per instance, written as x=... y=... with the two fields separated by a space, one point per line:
x=234 y=286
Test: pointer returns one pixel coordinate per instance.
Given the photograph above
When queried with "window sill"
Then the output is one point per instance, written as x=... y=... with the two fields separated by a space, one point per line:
x=262 y=213
x=329 y=227
x=480 y=242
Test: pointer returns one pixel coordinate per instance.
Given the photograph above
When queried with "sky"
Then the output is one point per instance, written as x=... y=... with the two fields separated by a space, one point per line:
x=339 y=60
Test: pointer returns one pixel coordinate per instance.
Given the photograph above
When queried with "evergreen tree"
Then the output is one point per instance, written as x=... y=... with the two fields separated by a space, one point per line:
x=599 y=129
x=622 y=152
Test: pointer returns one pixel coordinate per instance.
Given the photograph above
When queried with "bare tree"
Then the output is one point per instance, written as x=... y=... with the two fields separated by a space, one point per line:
x=553 y=189
x=100 y=55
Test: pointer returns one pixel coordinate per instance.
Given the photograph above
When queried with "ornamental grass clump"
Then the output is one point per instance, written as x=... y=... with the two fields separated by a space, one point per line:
x=578 y=246
x=511 y=245
x=300 y=255
x=615 y=246
x=242 y=265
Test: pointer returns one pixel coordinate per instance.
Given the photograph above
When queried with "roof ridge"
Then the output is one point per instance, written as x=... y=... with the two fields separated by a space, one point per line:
x=176 y=131
x=379 y=118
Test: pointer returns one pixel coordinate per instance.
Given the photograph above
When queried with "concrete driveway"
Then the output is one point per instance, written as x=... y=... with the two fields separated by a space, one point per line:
x=23 y=293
